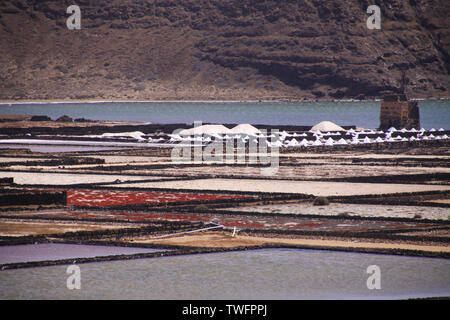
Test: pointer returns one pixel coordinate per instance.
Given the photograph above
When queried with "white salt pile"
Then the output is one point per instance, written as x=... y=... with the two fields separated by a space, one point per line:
x=245 y=129
x=205 y=129
x=326 y=126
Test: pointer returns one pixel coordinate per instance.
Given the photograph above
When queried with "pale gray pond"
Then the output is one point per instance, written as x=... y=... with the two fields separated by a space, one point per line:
x=57 y=148
x=258 y=274
x=59 y=251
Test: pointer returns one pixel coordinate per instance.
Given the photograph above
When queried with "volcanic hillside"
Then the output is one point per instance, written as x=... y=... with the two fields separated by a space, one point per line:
x=223 y=49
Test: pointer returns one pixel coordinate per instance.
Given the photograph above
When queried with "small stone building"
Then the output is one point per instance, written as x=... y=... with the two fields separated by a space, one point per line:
x=398 y=112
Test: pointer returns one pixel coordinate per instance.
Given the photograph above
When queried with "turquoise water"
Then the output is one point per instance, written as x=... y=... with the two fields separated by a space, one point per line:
x=434 y=113
x=257 y=274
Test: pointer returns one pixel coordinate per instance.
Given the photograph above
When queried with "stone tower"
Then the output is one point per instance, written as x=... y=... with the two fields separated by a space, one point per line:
x=398 y=112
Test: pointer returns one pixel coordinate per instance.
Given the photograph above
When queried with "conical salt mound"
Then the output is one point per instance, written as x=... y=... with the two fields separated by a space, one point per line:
x=205 y=129
x=326 y=126
x=245 y=128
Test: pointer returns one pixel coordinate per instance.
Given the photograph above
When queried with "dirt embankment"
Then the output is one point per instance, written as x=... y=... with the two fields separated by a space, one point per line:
x=225 y=240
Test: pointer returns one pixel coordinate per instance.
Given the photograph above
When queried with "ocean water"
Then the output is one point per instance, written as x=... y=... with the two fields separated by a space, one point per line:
x=256 y=274
x=433 y=113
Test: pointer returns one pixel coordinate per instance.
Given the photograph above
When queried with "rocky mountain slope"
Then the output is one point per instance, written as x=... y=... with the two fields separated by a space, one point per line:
x=223 y=49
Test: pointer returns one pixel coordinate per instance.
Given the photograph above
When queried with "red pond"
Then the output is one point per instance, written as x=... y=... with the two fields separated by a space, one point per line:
x=106 y=198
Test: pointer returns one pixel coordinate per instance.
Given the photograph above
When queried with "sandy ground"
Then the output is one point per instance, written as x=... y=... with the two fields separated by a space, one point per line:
x=7 y=160
x=362 y=210
x=440 y=201
x=20 y=228
x=284 y=186
x=213 y=239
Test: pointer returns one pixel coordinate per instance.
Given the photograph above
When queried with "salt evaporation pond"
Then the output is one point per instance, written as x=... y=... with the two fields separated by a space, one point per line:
x=59 y=251
x=256 y=274
x=57 y=148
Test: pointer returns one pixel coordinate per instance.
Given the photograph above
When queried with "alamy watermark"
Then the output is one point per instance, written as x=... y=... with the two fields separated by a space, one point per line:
x=374 y=280
x=74 y=21
x=374 y=21
x=226 y=148
x=74 y=280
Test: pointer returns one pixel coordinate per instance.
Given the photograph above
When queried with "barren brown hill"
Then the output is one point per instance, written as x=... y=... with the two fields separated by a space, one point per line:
x=222 y=49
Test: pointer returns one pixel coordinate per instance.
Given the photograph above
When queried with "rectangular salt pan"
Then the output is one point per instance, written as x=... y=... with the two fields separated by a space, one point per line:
x=59 y=251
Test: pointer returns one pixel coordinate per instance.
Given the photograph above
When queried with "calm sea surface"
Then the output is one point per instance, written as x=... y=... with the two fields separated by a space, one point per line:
x=434 y=113
x=255 y=274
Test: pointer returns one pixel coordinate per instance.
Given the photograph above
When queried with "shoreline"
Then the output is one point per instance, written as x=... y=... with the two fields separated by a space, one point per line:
x=12 y=102
x=7 y=102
